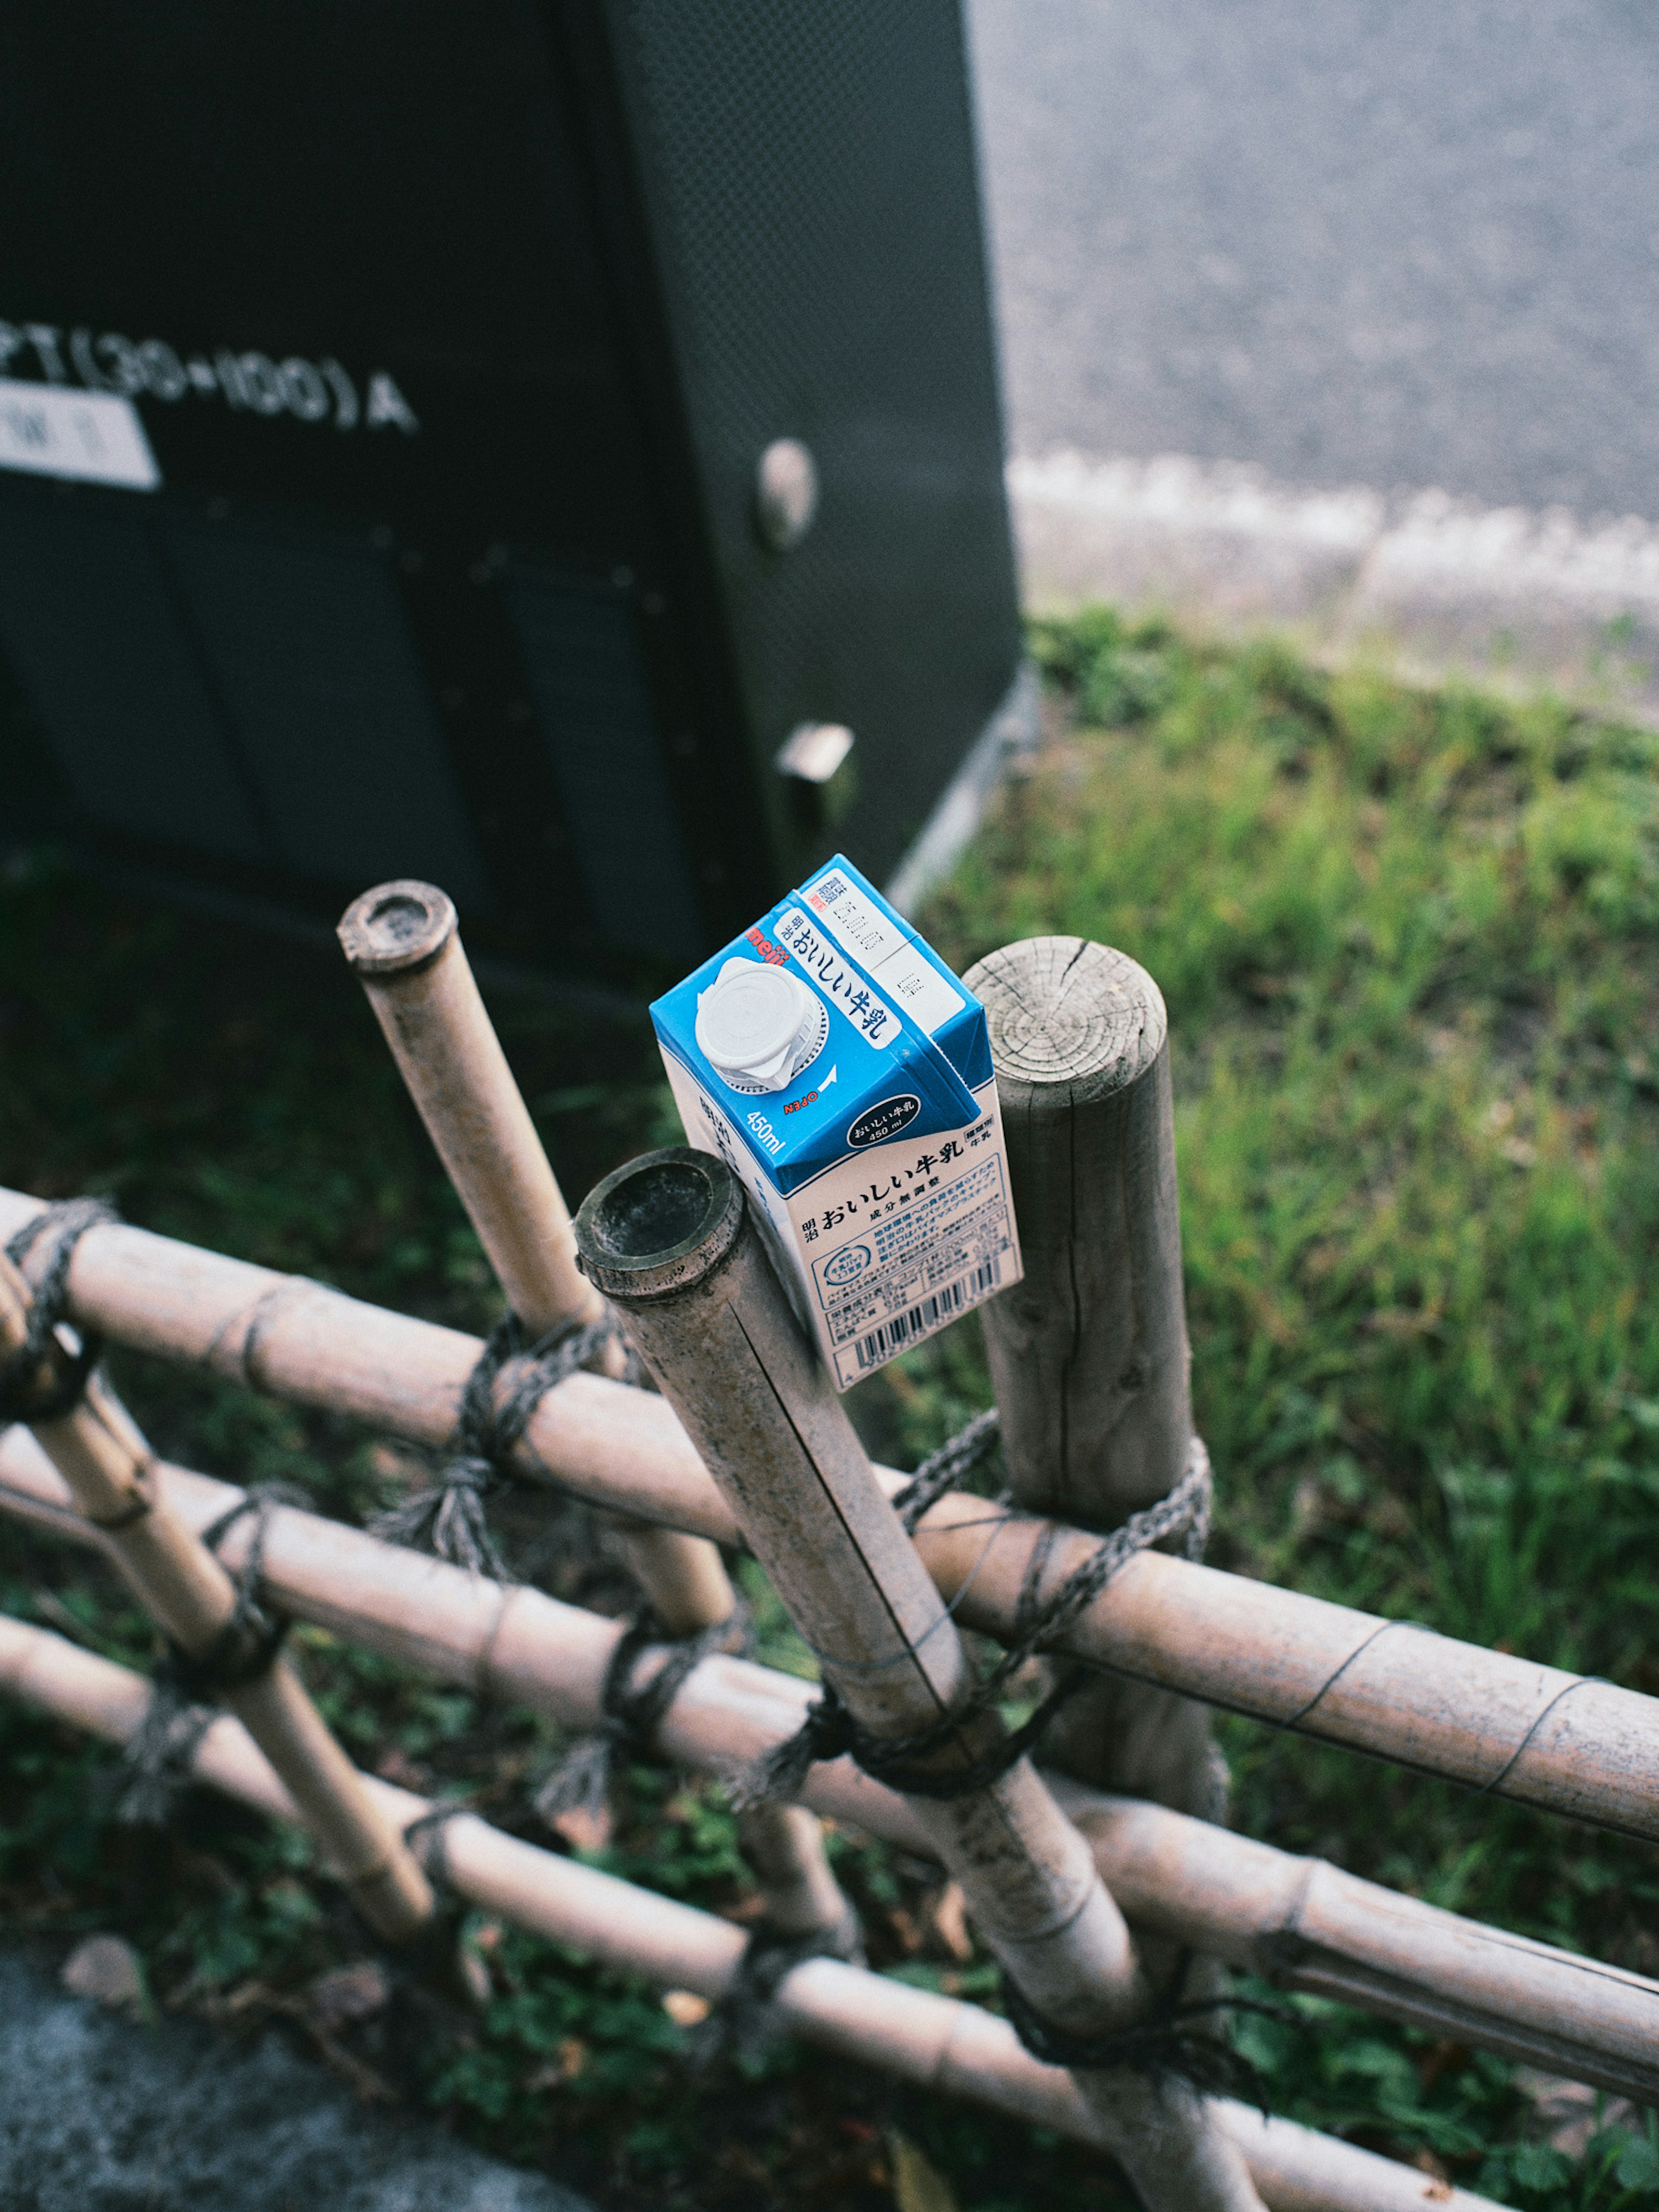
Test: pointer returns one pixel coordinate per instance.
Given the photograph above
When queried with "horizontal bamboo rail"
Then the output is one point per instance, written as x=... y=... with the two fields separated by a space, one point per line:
x=1304 y=1923
x=104 y=1465
x=938 y=2042
x=1524 y=1732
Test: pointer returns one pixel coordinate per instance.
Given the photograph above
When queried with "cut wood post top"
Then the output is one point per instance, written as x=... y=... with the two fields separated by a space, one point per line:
x=1070 y=1021
x=404 y=945
x=1087 y=1354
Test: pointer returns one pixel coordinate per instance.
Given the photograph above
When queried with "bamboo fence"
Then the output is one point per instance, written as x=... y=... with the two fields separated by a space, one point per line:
x=1301 y=1921
x=1093 y=1882
x=670 y=1239
x=940 y=2043
x=1496 y=1722
x=105 y=1466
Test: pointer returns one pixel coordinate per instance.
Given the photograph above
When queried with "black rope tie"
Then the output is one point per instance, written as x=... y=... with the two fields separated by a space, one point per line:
x=633 y=1707
x=186 y=1687
x=1170 y=2040
x=910 y=1764
x=745 y=2022
x=45 y=1378
x=450 y=1518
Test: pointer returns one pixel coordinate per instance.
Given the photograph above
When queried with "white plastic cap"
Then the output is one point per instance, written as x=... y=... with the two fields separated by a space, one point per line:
x=755 y=1023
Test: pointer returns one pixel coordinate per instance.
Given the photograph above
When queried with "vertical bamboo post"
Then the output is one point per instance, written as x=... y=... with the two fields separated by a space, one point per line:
x=192 y=1598
x=404 y=944
x=1087 y=1354
x=670 y=1240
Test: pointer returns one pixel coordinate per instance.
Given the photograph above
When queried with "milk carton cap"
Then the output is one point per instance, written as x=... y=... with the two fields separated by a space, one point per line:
x=757 y=1026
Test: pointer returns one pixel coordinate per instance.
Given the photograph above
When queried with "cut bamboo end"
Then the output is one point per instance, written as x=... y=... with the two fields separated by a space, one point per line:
x=396 y=929
x=659 y=1226
x=404 y=945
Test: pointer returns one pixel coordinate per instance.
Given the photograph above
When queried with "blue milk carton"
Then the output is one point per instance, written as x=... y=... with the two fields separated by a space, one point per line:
x=841 y=1071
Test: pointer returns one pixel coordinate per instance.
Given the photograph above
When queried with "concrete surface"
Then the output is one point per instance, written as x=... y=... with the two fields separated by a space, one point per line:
x=1385 y=242
x=1340 y=316
x=99 y=2114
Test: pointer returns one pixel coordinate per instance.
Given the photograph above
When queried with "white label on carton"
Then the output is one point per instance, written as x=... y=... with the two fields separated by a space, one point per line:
x=884 y=1247
x=845 y=985
x=94 y=437
x=867 y=935
x=885 y=952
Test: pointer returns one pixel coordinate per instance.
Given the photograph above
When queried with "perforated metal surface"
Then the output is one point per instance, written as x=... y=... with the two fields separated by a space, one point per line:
x=810 y=175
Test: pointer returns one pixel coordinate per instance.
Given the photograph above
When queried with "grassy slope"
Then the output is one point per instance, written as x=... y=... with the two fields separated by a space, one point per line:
x=1406 y=941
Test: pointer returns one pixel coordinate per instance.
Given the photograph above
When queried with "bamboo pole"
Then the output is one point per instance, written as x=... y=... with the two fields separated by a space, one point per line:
x=937 y=2042
x=1301 y=1921
x=1531 y=1734
x=404 y=944
x=670 y=1240
x=105 y=1464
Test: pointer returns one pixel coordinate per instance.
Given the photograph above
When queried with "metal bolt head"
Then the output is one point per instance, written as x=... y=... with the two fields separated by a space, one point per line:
x=814 y=750
x=786 y=493
x=815 y=760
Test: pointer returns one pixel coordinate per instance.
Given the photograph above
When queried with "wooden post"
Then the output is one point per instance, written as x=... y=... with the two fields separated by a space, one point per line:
x=191 y=1596
x=1087 y=1354
x=670 y=1240
x=404 y=944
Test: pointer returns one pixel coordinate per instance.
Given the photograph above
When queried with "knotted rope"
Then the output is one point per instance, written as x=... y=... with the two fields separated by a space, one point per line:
x=907 y=1762
x=1168 y=2040
x=45 y=1378
x=450 y=1518
x=633 y=1706
x=745 y=2022
x=186 y=1687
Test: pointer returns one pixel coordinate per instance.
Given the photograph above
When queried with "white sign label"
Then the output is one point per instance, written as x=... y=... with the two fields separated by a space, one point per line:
x=884 y=952
x=94 y=437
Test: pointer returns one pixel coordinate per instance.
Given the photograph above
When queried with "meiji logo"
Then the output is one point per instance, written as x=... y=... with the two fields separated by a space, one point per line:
x=774 y=955
x=846 y=1265
x=877 y=1123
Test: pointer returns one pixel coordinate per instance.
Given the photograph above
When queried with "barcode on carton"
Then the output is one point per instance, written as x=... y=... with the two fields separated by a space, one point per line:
x=943 y=1305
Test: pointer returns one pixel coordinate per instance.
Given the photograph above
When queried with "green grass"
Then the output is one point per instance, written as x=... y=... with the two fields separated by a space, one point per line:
x=1410 y=945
